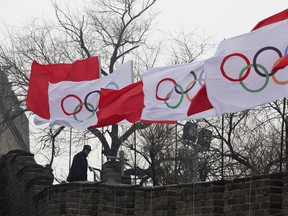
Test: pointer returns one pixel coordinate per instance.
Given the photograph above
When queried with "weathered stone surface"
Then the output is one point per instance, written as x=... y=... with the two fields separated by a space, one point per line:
x=26 y=189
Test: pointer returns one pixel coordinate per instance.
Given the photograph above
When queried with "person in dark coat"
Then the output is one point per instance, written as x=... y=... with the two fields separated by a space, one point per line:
x=78 y=170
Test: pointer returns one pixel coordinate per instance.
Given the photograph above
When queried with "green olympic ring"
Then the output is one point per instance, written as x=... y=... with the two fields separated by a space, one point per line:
x=266 y=81
x=181 y=98
x=81 y=104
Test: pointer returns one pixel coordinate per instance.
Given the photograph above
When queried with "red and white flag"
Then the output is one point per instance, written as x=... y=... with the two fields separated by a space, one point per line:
x=41 y=75
x=74 y=104
x=263 y=43
x=169 y=90
x=240 y=75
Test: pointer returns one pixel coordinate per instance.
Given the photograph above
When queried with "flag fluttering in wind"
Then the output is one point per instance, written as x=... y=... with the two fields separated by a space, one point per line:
x=118 y=105
x=169 y=90
x=242 y=73
x=74 y=104
x=283 y=15
x=280 y=63
x=41 y=75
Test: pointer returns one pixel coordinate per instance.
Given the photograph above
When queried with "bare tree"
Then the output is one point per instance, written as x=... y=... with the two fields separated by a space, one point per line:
x=155 y=147
x=112 y=28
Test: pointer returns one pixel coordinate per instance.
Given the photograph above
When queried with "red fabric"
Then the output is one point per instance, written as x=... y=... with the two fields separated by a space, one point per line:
x=272 y=19
x=117 y=105
x=41 y=75
x=158 y=122
x=280 y=63
x=126 y=103
x=199 y=102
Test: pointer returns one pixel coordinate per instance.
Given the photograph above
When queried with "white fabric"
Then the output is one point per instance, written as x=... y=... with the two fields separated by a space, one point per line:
x=39 y=120
x=179 y=78
x=67 y=98
x=235 y=95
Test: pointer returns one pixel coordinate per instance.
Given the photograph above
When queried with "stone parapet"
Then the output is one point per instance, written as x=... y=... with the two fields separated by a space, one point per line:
x=28 y=190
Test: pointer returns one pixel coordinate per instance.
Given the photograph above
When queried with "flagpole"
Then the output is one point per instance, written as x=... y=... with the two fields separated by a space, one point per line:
x=176 y=146
x=282 y=133
x=102 y=150
x=222 y=149
x=70 y=148
x=135 y=153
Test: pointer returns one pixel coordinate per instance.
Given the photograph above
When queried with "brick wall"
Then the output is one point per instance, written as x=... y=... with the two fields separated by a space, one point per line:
x=29 y=191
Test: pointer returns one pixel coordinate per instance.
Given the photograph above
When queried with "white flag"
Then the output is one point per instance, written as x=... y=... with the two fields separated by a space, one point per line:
x=169 y=90
x=240 y=76
x=74 y=104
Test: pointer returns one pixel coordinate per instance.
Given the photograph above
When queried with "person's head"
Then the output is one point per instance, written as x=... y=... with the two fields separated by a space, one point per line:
x=86 y=149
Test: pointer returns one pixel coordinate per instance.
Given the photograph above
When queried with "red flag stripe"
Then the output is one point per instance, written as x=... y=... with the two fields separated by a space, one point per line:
x=280 y=63
x=272 y=19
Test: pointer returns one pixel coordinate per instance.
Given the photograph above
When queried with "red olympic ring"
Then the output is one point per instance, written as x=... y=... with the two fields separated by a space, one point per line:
x=75 y=112
x=232 y=79
x=157 y=88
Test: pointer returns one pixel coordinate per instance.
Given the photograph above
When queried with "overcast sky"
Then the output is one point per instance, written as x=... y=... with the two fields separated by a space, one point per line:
x=219 y=19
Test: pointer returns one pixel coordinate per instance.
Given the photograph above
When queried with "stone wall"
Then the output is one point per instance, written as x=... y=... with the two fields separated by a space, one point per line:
x=29 y=191
x=14 y=134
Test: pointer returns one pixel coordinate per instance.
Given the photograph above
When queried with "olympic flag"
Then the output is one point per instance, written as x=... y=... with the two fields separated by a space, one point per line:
x=201 y=101
x=74 y=104
x=41 y=75
x=240 y=75
x=169 y=90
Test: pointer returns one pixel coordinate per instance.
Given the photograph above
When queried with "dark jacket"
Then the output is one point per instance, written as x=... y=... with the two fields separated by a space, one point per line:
x=78 y=170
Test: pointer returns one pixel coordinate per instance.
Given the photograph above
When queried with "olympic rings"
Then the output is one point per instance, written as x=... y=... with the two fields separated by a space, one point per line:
x=256 y=66
x=88 y=106
x=179 y=89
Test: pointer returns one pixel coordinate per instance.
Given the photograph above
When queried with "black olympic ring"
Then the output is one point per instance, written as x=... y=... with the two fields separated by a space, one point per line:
x=187 y=90
x=86 y=99
x=256 y=56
